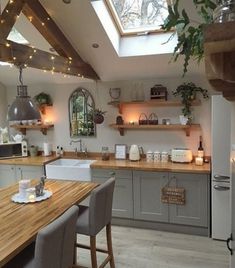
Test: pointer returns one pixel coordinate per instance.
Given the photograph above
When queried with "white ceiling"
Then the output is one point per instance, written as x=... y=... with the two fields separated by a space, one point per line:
x=79 y=23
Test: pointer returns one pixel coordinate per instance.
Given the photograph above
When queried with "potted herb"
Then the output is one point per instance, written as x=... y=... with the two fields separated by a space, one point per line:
x=189 y=31
x=188 y=93
x=99 y=116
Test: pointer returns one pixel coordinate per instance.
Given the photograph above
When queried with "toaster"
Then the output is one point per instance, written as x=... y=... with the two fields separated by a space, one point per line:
x=181 y=155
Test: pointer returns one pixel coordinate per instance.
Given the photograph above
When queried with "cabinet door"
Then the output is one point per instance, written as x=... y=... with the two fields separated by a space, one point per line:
x=123 y=195
x=195 y=210
x=7 y=175
x=29 y=172
x=147 y=196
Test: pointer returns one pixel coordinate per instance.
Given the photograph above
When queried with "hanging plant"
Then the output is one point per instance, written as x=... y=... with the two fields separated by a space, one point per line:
x=188 y=93
x=99 y=116
x=42 y=100
x=189 y=32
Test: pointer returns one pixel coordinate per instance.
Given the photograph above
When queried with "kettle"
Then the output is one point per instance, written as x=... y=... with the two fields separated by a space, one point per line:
x=18 y=137
x=134 y=153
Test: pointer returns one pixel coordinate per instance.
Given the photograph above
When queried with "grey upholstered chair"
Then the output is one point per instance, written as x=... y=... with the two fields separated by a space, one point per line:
x=92 y=219
x=54 y=247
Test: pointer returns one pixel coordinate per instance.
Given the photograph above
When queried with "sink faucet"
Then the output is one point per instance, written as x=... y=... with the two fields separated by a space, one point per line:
x=81 y=150
x=80 y=145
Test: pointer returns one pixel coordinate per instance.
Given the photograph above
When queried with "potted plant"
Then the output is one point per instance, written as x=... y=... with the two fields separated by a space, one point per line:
x=188 y=93
x=190 y=32
x=99 y=116
x=42 y=100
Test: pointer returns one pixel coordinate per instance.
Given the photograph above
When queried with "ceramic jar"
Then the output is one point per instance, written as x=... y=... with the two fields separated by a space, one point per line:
x=149 y=156
x=164 y=157
x=157 y=156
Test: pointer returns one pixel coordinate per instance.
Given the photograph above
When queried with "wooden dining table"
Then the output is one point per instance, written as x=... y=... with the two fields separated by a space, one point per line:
x=20 y=223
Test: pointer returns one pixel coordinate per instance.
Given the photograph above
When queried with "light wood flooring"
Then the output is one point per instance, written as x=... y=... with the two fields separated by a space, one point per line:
x=141 y=248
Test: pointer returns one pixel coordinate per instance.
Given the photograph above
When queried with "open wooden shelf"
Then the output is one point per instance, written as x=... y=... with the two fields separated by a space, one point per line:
x=186 y=128
x=150 y=103
x=219 y=47
x=23 y=128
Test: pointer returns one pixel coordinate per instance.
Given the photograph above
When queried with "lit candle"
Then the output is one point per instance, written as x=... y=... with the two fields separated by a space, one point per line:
x=131 y=122
x=31 y=194
x=199 y=161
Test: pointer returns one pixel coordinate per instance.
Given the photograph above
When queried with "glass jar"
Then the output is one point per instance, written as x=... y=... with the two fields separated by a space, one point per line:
x=224 y=12
x=105 y=153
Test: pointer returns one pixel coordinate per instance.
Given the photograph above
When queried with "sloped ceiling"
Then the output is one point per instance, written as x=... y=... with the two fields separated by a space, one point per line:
x=81 y=26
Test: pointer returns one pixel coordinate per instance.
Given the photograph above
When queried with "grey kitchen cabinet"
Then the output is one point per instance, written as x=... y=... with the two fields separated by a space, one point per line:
x=195 y=210
x=7 y=175
x=123 y=191
x=10 y=174
x=28 y=172
x=147 y=196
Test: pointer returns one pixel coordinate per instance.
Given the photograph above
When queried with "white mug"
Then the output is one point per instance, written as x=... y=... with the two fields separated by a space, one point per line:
x=149 y=156
x=164 y=157
x=157 y=156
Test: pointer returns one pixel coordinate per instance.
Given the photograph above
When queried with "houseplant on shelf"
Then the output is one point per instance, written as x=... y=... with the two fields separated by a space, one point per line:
x=190 y=32
x=188 y=93
x=43 y=99
x=99 y=116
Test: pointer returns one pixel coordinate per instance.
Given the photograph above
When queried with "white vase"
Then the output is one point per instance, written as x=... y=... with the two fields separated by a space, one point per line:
x=183 y=120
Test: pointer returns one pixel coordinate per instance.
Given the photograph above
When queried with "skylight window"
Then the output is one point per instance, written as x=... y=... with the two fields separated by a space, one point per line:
x=138 y=16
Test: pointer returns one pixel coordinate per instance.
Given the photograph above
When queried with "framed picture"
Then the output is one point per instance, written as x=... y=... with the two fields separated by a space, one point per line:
x=120 y=151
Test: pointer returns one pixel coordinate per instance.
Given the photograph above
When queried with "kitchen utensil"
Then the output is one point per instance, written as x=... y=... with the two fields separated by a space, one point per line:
x=134 y=153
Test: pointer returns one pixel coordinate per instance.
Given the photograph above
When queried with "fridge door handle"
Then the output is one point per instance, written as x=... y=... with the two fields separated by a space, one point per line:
x=221 y=188
x=228 y=246
x=221 y=177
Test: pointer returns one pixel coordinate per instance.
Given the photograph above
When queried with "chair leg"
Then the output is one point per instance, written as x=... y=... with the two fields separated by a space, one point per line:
x=109 y=244
x=93 y=251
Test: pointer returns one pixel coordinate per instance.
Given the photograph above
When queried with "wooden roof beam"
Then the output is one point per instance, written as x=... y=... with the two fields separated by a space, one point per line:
x=18 y=54
x=42 y=21
x=9 y=17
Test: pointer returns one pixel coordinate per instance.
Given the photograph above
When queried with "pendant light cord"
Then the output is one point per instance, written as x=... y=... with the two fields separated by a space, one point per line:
x=20 y=75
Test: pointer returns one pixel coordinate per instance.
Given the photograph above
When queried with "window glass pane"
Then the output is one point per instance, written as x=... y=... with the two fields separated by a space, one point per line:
x=140 y=15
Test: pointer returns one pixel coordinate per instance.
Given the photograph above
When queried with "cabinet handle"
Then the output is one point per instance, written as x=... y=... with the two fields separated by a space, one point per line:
x=112 y=174
x=221 y=177
x=228 y=246
x=221 y=188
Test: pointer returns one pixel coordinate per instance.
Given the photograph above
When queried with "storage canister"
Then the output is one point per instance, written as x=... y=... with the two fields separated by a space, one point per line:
x=149 y=156
x=164 y=157
x=157 y=156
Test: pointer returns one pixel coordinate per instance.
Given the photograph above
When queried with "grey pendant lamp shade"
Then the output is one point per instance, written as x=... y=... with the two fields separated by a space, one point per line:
x=23 y=107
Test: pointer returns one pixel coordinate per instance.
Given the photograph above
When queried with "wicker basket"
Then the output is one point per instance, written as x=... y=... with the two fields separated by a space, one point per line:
x=143 y=119
x=153 y=119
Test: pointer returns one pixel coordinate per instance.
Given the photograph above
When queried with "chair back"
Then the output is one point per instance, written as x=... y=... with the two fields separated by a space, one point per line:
x=55 y=243
x=100 y=206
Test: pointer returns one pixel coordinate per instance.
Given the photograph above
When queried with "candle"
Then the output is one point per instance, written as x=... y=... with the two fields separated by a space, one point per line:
x=23 y=186
x=199 y=161
x=31 y=194
x=131 y=122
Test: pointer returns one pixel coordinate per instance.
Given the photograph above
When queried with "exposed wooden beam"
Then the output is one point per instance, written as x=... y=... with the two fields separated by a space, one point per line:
x=18 y=54
x=9 y=17
x=40 y=18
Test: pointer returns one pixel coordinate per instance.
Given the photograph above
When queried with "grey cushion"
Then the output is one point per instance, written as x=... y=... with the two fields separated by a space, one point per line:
x=95 y=217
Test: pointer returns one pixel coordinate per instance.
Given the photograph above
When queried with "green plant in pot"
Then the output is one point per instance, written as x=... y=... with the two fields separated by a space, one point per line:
x=188 y=93
x=190 y=32
x=43 y=99
x=99 y=116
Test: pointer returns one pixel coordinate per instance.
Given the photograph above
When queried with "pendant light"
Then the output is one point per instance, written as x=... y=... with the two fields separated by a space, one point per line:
x=23 y=107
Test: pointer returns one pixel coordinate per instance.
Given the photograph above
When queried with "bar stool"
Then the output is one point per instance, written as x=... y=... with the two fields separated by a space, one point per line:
x=54 y=245
x=93 y=218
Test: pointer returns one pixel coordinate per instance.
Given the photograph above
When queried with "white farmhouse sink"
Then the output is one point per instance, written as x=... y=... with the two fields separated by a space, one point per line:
x=69 y=169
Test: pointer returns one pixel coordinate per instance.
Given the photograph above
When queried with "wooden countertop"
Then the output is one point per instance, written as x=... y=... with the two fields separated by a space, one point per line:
x=29 y=161
x=145 y=166
x=114 y=164
x=20 y=223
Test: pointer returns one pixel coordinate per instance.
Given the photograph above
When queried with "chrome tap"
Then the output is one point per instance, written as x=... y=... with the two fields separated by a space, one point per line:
x=80 y=145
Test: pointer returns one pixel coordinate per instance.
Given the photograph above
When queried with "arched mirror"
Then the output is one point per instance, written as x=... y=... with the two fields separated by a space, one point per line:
x=81 y=112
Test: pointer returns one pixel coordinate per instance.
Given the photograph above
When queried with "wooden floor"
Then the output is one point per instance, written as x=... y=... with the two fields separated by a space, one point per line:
x=141 y=248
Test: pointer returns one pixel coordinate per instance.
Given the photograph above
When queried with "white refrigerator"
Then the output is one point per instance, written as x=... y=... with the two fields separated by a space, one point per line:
x=220 y=181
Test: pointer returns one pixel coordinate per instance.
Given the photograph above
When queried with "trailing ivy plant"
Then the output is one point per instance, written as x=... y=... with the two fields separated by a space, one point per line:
x=190 y=32
x=188 y=93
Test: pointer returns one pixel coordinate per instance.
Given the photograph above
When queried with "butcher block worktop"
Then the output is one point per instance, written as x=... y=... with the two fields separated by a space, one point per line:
x=143 y=165
x=114 y=164
x=29 y=161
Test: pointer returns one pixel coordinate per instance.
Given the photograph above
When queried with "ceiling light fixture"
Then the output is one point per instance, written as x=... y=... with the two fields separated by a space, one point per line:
x=23 y=107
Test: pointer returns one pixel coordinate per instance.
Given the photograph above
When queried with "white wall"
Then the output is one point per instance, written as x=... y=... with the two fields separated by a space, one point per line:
x=154 y=140
x=3 y=105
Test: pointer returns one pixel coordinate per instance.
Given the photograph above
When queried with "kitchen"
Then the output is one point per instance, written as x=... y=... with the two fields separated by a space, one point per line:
x=150 y=140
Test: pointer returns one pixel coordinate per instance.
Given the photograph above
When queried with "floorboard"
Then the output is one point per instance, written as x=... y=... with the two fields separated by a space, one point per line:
x=141 y=248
